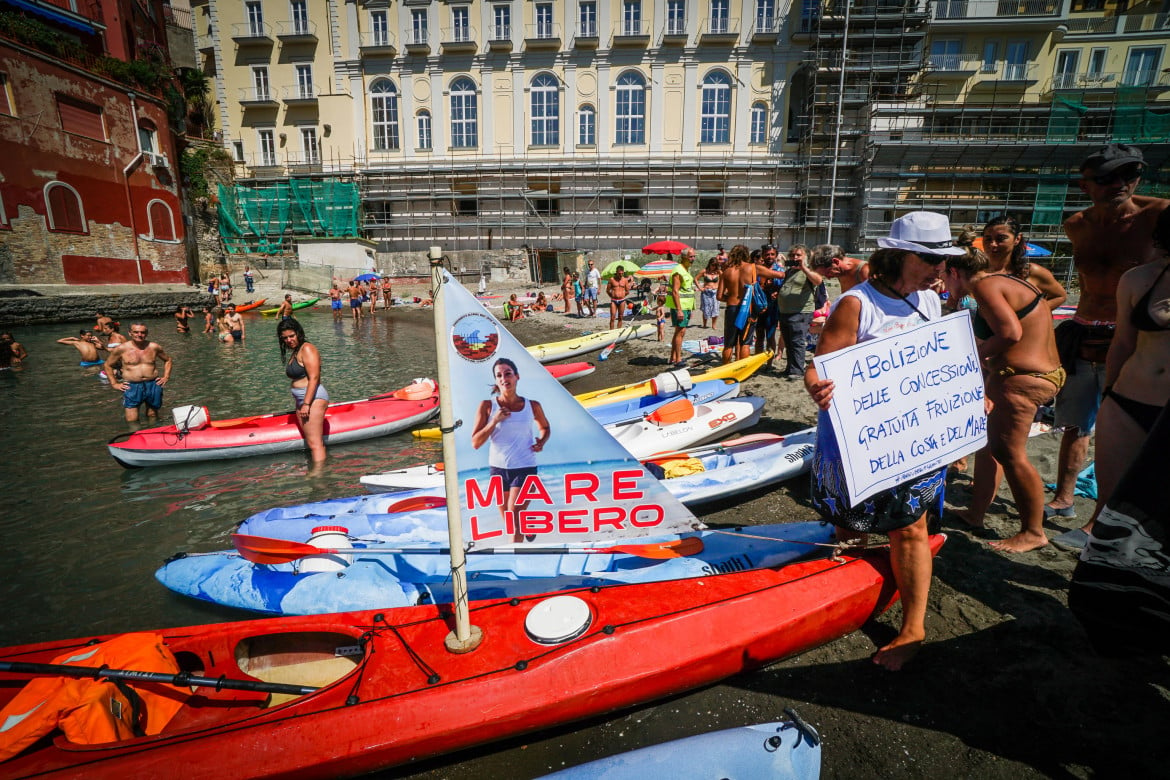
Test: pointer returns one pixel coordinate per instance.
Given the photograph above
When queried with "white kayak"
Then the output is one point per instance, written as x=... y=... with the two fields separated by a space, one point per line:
x=705 y=473
x=581 y=345
x=681 y=424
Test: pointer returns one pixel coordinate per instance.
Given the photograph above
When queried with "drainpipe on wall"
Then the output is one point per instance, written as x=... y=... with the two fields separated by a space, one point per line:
x=134 y=163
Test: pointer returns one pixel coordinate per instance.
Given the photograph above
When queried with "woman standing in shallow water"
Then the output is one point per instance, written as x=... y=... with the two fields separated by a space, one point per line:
x=310 y=396
x=507 y=421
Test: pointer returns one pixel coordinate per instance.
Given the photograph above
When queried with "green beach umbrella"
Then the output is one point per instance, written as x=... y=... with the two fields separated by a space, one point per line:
x=611 y=269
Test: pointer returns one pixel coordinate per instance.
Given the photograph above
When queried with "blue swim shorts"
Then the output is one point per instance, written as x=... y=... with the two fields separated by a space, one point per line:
x=146 y=392
x=335 y=304
x=590 y=293
x=1080 y=398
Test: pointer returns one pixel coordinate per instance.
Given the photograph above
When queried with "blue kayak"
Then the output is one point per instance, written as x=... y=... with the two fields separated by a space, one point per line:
x=365 y=579
x=778 y=751
x=636 y=408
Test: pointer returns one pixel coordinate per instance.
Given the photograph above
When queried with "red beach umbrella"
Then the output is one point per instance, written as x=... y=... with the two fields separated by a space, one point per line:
x=664 y=247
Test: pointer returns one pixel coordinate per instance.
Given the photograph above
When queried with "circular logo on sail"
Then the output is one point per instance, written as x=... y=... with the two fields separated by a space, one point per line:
x=475 y=337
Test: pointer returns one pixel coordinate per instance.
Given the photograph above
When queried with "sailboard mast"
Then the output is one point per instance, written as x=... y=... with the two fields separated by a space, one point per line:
x=465 y=637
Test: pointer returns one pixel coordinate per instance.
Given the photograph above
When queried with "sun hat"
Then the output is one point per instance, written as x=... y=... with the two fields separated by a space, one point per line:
x=923 y=232
x=1109 y=158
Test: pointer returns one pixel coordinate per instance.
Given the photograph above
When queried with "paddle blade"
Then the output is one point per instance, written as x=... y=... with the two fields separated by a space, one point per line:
x=417 y=503
x=680 y=548
x=261 y=549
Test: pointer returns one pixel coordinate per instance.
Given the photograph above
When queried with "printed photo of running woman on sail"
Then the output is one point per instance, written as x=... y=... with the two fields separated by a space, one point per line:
x=515 y=428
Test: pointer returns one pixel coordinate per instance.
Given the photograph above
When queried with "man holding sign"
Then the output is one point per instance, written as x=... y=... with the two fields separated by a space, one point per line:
x=895 y=301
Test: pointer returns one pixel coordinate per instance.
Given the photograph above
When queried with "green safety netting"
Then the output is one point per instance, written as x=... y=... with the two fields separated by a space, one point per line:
x=1064 y=123
x=1133 y=121
x=1049 y=206
x=261 y=217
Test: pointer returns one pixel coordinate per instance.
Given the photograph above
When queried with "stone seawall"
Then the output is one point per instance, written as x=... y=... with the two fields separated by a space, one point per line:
x=49 y=309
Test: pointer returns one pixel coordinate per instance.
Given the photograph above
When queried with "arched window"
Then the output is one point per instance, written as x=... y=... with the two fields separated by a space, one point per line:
x=546 y=111
x=63 y=208
x=715 y=109
x=464 y=113
x=586 y=126
x=384 y=113
x=759 y=123
x=630 y=109
x=162 y=221
x=424 y=129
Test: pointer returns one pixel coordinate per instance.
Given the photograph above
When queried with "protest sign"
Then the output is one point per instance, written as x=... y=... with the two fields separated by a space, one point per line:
x=906 y=404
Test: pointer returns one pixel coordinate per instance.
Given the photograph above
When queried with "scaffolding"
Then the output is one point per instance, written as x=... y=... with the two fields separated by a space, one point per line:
x=265 y=217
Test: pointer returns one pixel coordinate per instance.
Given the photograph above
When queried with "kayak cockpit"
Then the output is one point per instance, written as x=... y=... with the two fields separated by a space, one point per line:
x=315 y=659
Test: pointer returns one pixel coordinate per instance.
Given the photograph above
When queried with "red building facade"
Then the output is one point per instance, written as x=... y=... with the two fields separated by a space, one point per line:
x=89 y=190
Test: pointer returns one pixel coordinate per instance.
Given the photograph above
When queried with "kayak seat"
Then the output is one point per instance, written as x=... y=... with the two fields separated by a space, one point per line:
x=416 y=391
x=678 y=410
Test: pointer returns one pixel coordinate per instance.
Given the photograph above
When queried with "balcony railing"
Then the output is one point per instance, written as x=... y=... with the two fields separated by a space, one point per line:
x=459 y=38
x=500 y=32
x=719 y=27
x=676 y=28
x=587 y=30
x=1018 y=71
x=377 y=42
x=631 y=31
x=299 y=93
x=995 y=9
x=953 y=63
x=417 y=39
x=542 y=31
x=252 y=33
x=257 y=97
x=1097 y=25
x=297 y=31
x=765 y=26
x=178 y=17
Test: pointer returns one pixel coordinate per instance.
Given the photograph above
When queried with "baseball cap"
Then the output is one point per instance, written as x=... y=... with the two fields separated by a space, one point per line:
x=1109 y=158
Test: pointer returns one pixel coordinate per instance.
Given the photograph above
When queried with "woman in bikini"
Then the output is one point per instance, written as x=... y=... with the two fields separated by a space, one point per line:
x=1022 y=368
x=1137 y=385
x=303 y=367
x=1006 y=250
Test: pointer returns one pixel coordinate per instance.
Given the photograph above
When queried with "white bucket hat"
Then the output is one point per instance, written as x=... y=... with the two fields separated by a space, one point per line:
x=923 y=232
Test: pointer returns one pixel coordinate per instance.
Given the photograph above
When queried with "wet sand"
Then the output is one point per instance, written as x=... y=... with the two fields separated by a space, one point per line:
x=1006 y=686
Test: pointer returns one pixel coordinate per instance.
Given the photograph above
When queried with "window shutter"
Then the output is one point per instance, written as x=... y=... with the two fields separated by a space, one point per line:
x=81 y=118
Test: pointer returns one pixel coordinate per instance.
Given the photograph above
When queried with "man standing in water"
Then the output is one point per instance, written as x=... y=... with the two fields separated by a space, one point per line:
x=140 y=383
x=1108 y=238
x=87 y=346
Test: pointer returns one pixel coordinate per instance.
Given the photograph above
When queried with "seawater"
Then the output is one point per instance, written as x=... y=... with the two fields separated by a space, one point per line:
x=81 y=537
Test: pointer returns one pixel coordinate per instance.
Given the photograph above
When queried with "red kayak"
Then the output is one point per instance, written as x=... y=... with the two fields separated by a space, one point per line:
x=387 y=691
x=196 y=437
x=567 y=372
x=251 y=305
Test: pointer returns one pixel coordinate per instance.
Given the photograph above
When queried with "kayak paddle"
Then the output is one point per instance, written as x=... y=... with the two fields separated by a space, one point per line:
x=180 y=680
x=262 y=549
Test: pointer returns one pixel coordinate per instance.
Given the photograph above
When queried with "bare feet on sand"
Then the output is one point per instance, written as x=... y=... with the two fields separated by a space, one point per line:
x=1021 y=542
x=894 y=656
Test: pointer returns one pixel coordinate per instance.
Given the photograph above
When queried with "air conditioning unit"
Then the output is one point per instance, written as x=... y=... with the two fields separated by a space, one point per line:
x=156 y=160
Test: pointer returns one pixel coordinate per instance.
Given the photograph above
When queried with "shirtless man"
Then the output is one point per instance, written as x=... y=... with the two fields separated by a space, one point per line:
x=335 y=302
x=285 y=307
x=733 y=282
x=235 y=322
x=830 y=261
x=387 y=294
x=140 y=383
x=355 y=300
x=19 y=353
x=1108 y=238
x=102 y=320
x=87 y=345
x=617 y=289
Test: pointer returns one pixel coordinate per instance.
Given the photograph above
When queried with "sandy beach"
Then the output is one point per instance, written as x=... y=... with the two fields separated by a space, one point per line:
x=1006 y=686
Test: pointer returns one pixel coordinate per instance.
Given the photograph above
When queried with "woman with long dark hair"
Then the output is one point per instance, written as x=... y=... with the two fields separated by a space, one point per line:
x=303 y=367
x=508 y=421
x=1006 y=248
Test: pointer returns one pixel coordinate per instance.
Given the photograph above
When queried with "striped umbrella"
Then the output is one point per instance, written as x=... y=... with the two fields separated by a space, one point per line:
x=655 y=268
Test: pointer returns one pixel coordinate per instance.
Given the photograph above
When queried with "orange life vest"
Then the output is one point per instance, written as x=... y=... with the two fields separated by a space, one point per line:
x=92 y=711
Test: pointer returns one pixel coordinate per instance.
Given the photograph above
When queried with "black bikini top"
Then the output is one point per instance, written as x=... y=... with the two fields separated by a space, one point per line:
x=295 y=370
x=1140 y=316
x=983 y=331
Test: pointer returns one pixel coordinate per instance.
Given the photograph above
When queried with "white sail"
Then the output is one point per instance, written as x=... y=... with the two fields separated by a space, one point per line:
x=537 y=467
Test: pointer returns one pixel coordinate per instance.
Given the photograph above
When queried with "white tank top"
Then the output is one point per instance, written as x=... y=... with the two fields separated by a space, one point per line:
x=882 y=315
x=512 y=439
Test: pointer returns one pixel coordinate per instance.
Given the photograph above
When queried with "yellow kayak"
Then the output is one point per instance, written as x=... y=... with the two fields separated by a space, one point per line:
x=738 y=371
x=559 y=350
